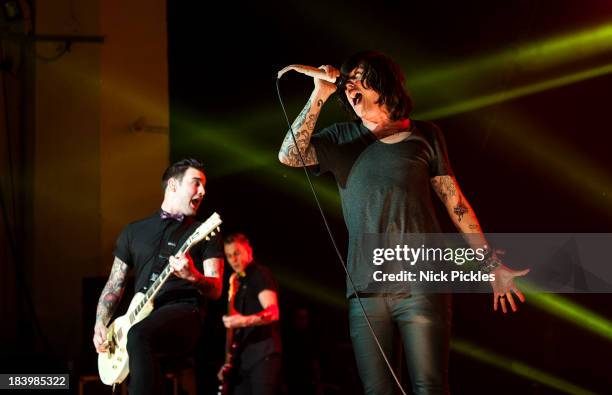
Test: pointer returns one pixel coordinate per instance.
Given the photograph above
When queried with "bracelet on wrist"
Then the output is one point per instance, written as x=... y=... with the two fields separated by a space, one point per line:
x=491 y=260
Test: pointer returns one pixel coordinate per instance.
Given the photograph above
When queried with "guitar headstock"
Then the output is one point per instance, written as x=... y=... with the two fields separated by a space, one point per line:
x=209 y=228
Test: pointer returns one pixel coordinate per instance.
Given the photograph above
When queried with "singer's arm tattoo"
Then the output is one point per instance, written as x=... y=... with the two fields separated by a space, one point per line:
x=459 y=209
x=456 y=204
x=303 y=126
x=445 y=188
x=111 y=294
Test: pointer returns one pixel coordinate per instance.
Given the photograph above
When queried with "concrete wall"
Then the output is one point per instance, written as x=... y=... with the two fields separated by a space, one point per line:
x=11 y=209
x=92 y=174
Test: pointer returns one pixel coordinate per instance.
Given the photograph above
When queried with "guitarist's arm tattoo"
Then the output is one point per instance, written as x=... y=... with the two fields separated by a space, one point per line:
x=211 y=283
x=111 y=294
x=303 y=126
x=269 y=314
x=213 y=268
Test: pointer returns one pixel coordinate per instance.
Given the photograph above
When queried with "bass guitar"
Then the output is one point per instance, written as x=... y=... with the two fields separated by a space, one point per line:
x=228 y=372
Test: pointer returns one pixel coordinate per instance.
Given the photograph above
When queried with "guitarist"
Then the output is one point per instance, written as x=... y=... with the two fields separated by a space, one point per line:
x=253 y=321
x=174 y=326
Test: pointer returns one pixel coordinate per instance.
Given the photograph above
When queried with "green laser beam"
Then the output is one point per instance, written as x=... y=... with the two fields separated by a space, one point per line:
x=561 y=161
x=567 y=310
x=498 y=97
x=216 y=137
x=329 y=296
x=516 y=367
x=570 y=311
x=528 y=57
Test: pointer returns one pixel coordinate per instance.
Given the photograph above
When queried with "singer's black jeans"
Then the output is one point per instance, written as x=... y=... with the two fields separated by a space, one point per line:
x=171 y=331
x=423 y=322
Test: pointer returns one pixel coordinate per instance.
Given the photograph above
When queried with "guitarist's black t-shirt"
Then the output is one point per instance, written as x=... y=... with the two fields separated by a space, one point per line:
x=139 y=246
x=255 y=342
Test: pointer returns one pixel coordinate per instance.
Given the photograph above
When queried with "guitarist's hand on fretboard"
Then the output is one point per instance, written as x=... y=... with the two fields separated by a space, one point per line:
x=235 y=321
x=182 y=267
x=223 y=371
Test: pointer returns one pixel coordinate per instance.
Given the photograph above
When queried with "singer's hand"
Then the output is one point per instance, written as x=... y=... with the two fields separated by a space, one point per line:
x=324 y=76
x=300 y=68
x=325 y=87
x=288 y=68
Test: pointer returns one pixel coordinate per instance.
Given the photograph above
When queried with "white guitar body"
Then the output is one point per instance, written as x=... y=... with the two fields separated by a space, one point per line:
x=113 y=365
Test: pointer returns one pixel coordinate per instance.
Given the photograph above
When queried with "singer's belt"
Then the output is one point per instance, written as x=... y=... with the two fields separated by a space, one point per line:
x=379 y=294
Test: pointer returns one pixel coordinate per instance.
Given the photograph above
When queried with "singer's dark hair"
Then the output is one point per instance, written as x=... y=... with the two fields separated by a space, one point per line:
x=177 y=170
x=383 y=75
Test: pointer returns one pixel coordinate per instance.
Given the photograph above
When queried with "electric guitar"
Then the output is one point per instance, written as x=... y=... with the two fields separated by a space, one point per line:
x=231 y=342
x=113 y=364
x=229 y=369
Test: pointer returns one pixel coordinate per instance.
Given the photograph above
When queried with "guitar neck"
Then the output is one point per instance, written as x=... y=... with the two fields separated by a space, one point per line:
x=161 y=279
x=234 y=284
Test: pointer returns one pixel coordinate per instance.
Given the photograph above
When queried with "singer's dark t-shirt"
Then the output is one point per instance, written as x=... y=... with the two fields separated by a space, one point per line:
x=140 y=244
x=384 y=188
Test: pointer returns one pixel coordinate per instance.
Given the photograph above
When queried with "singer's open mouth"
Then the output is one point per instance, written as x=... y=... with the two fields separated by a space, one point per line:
x=357 y=98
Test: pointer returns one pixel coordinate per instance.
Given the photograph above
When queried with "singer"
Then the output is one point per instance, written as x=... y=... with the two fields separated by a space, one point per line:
x=385 y=165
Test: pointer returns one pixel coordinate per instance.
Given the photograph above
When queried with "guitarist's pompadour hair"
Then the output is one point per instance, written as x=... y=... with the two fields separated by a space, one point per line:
x=177 y=170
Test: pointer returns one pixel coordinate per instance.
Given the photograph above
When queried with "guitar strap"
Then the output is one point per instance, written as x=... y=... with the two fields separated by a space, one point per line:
x=167 y=249
x=238 y=334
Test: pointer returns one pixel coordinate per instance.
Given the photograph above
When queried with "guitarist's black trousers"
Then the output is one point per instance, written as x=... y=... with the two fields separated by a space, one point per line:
x=172 y=330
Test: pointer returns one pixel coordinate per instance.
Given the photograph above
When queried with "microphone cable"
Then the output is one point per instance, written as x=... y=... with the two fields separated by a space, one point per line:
x=333 y=241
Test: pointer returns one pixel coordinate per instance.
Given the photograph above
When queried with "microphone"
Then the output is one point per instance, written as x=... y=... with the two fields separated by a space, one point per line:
x=314 y=73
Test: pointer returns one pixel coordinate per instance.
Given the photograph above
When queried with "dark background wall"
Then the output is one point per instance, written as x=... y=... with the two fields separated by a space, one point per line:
x=521 y=90
x=538 y=162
